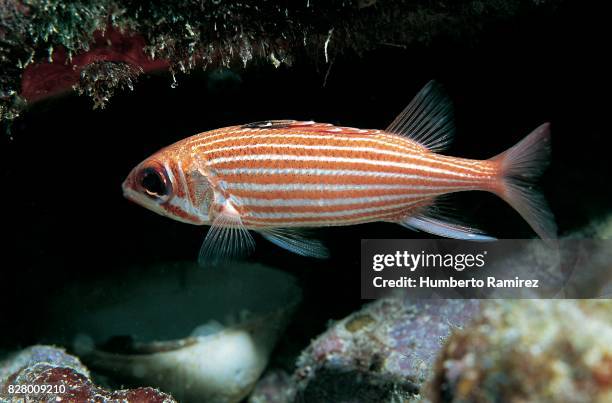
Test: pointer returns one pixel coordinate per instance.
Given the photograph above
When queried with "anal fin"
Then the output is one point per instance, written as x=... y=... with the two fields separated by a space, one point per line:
x=444 y=228
x=294 y=241
x=438 y=219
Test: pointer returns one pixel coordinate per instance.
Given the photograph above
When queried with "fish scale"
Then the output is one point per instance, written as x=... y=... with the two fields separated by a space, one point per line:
x=277 y=176
x=363 y=156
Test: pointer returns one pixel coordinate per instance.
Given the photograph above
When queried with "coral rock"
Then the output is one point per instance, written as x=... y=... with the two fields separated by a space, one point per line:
x=274 y=387
x=381 y=353
x=529 y=351
x=70 y=380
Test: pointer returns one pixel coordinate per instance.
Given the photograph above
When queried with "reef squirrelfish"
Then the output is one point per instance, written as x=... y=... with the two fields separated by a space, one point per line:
x=278 y=177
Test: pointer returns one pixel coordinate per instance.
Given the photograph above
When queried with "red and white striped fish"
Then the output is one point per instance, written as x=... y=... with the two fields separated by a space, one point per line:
x=277 y=177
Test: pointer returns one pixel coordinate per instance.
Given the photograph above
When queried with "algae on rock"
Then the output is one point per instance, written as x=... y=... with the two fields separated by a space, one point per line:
x=211 y=33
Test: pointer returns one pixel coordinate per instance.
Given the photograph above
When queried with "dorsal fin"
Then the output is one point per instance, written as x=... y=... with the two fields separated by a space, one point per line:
x=309 y=126
x=428 y=119
x=269 y=124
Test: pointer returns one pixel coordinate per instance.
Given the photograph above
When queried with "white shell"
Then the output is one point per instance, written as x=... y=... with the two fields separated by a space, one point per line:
x=160 y=307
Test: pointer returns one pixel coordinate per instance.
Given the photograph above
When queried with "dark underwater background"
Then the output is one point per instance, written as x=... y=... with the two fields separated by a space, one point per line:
x=65 y=222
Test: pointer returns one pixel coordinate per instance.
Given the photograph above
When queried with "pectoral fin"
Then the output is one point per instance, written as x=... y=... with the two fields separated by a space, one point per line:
x=226 y=239
x=294 y=241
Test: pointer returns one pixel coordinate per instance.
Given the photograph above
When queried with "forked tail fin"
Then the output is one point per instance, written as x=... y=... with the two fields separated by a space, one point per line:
x=520 y=167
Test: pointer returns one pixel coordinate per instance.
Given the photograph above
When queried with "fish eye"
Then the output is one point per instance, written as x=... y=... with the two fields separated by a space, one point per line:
x=154 y=183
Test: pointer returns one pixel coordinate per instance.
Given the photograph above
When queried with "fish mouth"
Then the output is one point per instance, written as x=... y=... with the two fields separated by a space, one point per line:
x=132 y=195
x=189 y=216
x=142 y=200
x=128 y=193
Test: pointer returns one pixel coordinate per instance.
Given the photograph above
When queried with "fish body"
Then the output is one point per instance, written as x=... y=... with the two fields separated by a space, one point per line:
x=304 y=174
x=277 y=177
